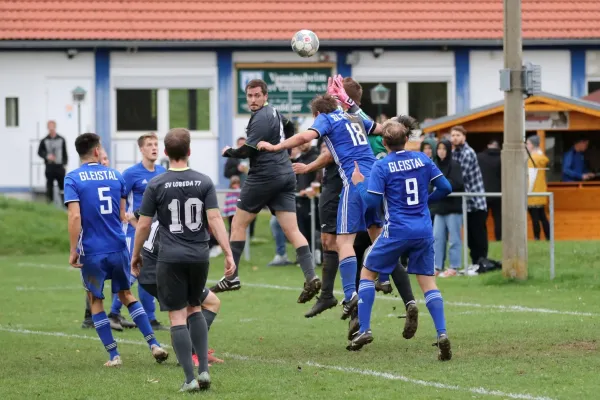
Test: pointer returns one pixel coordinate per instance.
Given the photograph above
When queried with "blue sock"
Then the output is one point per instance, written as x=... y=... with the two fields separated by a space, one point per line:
x=348 y=274
x=147 y=301
x=366 y=297
x=383 y=277
x=435 y=305
x=115 y=308
x=102 y=326
x=141 y=320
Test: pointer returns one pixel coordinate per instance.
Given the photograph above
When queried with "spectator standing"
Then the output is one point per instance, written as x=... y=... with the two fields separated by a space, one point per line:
x=53 y=149
x=448 y=213
x=536 y=206
x=465 y=156
x=575 y=167
x=491 y=171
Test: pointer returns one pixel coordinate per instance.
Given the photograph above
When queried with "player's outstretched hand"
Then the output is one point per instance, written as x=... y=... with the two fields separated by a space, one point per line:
x=229 y=266
x=265 y=146
x=74 y=260
x=337 y=90
x=136 y=265
x=300 y=168
x=357 y=176
x=225 y=149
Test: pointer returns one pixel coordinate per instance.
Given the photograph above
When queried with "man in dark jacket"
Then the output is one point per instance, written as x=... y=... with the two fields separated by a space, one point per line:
x=53 y=149
x=308 y=154
x=448 y=213
x=491 y=169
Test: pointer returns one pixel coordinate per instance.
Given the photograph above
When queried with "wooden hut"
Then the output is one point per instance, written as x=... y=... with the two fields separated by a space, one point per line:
x=558 y=121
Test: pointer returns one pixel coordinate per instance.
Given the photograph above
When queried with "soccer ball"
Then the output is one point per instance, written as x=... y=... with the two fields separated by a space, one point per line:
x=305 y=43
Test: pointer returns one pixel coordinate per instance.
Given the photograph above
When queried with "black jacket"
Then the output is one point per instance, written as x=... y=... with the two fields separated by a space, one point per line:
x=56 y=146
x=452 y=172
x=491 y=169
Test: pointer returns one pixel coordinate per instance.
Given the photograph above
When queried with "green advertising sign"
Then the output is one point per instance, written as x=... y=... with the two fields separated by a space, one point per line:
x=299 y=84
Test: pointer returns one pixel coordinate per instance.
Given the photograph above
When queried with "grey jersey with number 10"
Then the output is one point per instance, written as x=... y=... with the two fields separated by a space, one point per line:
x=180 y=199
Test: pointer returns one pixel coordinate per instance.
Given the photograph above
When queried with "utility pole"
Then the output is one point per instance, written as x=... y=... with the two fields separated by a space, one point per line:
x=514 y=158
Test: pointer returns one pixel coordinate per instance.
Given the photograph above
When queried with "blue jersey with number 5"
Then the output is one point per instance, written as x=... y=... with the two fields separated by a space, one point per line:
x=346 y=138
x=403 y=179
x=99 y=191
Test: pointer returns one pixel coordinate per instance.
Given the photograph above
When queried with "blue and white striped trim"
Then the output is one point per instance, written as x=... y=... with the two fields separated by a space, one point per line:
x=111 y=346
x=366 y=285
x=368 y=252
x=433 y=296
x=137 y=313
x=437 y=176
x=101 y=323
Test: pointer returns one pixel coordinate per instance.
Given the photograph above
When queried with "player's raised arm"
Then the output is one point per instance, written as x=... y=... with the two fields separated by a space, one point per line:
x=324 y=159
x=294 y=141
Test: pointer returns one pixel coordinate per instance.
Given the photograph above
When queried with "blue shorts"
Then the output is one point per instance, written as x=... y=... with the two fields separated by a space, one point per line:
x=353 y=216
x=99 y=268
x=385 y=253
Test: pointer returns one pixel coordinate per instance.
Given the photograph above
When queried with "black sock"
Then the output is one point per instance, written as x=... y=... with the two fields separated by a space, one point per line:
x=209 y=316
x=402 y=282
x=306 y=261
x=237 y=248
x=199 y=335
x=88 y=309
x=330 y=268
x=180 y=337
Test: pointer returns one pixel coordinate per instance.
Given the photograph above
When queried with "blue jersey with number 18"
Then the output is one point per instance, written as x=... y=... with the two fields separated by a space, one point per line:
x=346 y=137
x=403 y=179
x=99 y=191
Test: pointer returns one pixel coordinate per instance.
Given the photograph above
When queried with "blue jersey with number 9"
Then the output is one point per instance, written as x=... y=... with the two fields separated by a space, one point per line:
x=346 y=138
x=403 y=179
x=99 y=191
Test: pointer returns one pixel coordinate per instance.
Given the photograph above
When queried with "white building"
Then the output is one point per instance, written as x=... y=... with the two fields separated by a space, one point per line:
x=194 y=77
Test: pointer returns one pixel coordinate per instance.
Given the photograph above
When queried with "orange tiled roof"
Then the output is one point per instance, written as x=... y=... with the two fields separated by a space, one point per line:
x=261 y=20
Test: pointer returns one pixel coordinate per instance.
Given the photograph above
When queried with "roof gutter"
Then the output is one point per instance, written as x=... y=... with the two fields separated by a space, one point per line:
x=208 y=44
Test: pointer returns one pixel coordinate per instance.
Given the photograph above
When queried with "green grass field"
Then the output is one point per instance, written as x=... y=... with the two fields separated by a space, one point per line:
x=531 y=340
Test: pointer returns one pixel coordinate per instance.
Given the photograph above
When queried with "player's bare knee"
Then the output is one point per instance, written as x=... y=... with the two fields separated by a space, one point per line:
x=178 y=317
x=193 y=310
x=368 y=274
x=212 y=303
x=426 y=283
x=126 y=297
x=239 y=224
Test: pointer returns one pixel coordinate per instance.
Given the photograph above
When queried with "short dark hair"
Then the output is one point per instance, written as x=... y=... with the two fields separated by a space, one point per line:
x=459 y=128
x=177 y=144
x=409 y=122
x=353 y=89
x=86 y=142
x=254 y=83
x=394 y=134
x=142 y=139
x=324 y=104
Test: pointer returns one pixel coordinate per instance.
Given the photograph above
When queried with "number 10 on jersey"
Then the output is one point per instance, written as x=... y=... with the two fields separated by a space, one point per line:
x=192 y=210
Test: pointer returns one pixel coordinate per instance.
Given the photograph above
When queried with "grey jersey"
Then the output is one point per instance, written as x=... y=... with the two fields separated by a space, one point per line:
x=267 y=125
x=180 y=200
x=151 y=246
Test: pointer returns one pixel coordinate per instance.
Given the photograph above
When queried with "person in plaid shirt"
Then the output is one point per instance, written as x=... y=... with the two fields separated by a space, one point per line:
x=464 y=155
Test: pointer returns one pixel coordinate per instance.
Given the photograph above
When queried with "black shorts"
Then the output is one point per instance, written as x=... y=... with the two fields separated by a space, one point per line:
x=180 y=284
x=328 y=210
x=148 y=271
x=278 y=194
x=153 y=290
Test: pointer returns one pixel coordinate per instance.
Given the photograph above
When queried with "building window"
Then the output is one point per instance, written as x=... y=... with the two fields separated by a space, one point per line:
x=189 y=108
x=137 y=110
x=592 y=86
x=427 y=100
x=380 y=112
x=11 y=107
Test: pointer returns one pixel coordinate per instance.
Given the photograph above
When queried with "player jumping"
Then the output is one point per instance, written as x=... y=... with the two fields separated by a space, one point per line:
x=346 y=138
x=94 y=195
x=401 y=181
x=271 y=183
x=184 y=201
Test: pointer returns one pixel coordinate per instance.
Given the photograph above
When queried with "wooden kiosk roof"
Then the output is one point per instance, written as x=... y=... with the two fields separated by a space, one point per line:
x=582 y=115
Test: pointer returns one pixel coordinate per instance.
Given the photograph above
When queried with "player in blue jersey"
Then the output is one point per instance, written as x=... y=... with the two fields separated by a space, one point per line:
x=346 y=137
x=95 y=198
x=136 y=179
x=401 y=181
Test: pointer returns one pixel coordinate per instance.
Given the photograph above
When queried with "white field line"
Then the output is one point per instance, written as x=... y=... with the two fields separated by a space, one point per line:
x=347 y=370
x=507 y=308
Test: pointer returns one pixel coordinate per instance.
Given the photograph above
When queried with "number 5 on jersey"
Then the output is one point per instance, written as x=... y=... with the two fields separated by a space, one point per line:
x=356 y=133
x=192 y=215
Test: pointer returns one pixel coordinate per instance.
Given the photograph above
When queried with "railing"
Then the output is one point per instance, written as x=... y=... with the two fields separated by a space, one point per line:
x=465 y=243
